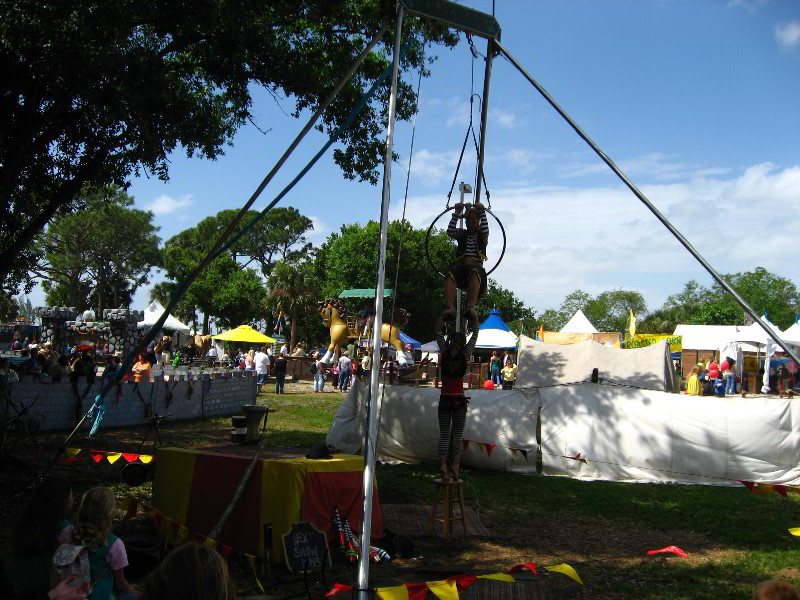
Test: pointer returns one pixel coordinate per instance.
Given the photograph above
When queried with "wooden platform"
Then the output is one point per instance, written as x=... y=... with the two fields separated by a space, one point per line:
x=412 y=520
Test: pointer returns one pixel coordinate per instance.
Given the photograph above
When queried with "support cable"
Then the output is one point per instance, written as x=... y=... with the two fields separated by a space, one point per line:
x=717 y=277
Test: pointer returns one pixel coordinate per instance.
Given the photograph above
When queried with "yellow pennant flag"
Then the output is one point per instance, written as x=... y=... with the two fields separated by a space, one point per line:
x=252 y=560
x=565 y=569
x=145 y=458
x=766 y=488
x=398 y=592
x=113 y=457
x=795 y=531
x=498 y=577
x=72 y=451
x=482 y=445
x=445 y=590
x=183 y=532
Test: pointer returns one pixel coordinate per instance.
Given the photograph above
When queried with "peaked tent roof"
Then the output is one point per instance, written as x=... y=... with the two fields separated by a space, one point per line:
x=792 y=333
x=755 y=334
x=153 y=312
x=407 y=339
x=244 y=333
x=579 y=324
x=495 y=321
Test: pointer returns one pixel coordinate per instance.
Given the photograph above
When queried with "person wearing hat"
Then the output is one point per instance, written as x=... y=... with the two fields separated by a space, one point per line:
x=468 y=273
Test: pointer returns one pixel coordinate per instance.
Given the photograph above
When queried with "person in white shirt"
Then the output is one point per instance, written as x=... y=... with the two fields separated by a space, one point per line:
x=284 y=350
x=261 y=362
x=344 y=372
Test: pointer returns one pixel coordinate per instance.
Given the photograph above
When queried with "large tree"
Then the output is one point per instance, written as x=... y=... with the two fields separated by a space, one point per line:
x=294 y=289
x=349 y=259
x=98 y=257
x=94 y=91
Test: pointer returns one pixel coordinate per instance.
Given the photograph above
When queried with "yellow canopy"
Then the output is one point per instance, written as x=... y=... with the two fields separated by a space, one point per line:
x=244 y=333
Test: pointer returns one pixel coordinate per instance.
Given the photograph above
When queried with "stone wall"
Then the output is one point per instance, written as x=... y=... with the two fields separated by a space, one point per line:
x=210 y=395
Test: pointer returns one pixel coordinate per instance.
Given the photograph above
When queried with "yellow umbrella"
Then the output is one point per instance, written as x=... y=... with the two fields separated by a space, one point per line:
x=244 y=333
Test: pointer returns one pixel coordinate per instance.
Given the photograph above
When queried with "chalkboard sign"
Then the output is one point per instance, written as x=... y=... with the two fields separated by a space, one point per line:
x=306 y=547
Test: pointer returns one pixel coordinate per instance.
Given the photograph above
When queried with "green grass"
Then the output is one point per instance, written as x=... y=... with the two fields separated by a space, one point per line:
x=603 y=529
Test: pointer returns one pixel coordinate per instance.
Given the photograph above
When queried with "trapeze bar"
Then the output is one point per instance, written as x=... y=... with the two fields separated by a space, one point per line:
x=454 y=15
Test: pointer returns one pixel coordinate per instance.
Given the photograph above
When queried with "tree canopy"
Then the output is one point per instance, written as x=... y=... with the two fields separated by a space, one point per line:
x=349 y=259
x=93 y=92
x=98 y=257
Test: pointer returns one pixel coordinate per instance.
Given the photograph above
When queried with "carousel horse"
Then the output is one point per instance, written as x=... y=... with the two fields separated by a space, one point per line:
x=333 y=314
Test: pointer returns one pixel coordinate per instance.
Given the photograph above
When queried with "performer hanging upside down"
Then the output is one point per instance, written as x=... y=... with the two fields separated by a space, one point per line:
x=468 y=273
x=455 y=356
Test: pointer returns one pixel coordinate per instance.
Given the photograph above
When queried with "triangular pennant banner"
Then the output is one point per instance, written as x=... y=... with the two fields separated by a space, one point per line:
x=398 y=592
x=444 y=590
x=210 y=543
x=225 y=550
x=749 y=485
x=781 y=489
x=130 y=457
x=72 y=451
x=338 y=588
x=145 y=458
x=482 y=445
x=71 y=459
x=183 y=532
x=669 y=549
x=113 y=457
x=524 y=453
x=464 y=443
x=498 y=577
x=795 y=531
x=97 y=456
x=464 y=581
x=416 y=591
x=489 y=448
x=766 y=488
x=528 y=566
x=565 y=569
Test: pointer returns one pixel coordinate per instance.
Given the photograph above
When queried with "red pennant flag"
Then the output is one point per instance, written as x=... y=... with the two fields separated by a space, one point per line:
x=159 y=518
x=417 y=591
x=781 y=489
x=671 y=549
x=489 y=448
x=465 y=443
x=130 y=457
x=97 y=456
x=524 y=453
x=463 y=581
x=225 y=550
x=338 y=588
x=528 y=566
x=70 y=459
x=749 y=485
x=133 y=506
x=577 y=457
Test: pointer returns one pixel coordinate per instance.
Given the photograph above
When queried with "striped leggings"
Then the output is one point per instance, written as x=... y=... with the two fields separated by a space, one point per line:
x=452 y=418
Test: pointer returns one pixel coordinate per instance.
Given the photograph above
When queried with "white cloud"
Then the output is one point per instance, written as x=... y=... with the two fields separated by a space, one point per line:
x=750 y=5
x=655 y=166
x=598 y=238
x=788 y=34
x=320 y=232
x=504 y=118
x=164 y=204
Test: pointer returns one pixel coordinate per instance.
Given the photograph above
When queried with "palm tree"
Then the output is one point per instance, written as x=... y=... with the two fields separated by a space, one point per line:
x=293 y=289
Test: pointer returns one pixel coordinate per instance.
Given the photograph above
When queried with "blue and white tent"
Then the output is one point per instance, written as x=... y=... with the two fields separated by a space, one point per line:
x=494 y=334
x=407 y=339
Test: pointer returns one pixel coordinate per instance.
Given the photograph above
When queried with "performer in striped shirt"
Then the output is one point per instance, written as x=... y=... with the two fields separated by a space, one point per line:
x=455 y=355
x=468 y=273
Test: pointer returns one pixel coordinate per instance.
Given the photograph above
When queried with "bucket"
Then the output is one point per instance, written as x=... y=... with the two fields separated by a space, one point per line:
x=254 y=413
x=239 y=431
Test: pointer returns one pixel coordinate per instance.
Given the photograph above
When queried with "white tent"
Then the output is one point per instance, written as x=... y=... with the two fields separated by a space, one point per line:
x=590 y=430
x=153 y=313
x=494 y=334
x=579 y=324
x=541 y=364
x=755 y=334
x=793 y=333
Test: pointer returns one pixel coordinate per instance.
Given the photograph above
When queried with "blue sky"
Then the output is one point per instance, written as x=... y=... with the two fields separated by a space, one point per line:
x=696 y=101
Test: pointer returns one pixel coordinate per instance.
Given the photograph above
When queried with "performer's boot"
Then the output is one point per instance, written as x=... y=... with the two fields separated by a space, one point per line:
x=326 y=360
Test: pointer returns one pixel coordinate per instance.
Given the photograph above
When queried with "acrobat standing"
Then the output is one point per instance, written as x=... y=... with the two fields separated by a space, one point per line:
x=467 y=273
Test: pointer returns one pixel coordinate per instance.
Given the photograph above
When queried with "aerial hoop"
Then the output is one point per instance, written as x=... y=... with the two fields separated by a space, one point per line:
x=439 y=216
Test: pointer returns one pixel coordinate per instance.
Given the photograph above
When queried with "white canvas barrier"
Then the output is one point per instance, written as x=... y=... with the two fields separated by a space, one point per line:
x=409 y=426
x=624 y=433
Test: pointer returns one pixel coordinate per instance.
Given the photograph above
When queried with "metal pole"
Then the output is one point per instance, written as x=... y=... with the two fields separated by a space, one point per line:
x=717 y=277
x=487 y=76
x=372 y=417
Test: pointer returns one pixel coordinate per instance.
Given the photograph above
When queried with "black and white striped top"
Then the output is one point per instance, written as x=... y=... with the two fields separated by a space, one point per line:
x=441 y=340
x=471 y=245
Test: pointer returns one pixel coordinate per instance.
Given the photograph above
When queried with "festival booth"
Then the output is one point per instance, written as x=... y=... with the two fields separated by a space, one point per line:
x=172 y=325
x=192 y=488
x=579 y=329
x=243 y=334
